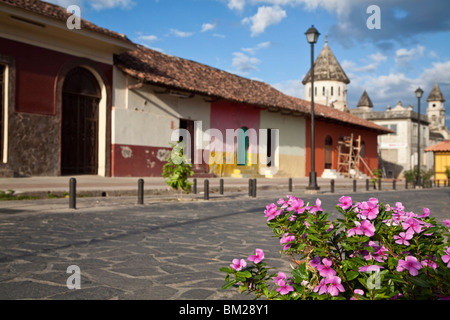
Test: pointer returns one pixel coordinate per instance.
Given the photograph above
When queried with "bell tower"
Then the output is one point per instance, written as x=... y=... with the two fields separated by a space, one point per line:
x=436 y=110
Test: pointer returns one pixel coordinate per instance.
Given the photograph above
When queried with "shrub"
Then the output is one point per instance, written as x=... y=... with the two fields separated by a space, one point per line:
x=375 y=251
x=177 y=170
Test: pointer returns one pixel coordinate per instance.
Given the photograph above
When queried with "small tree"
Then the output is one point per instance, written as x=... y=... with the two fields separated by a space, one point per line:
x=177 y=170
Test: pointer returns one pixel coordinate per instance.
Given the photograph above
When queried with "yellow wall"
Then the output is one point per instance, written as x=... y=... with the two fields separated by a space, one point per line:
x=441 y=162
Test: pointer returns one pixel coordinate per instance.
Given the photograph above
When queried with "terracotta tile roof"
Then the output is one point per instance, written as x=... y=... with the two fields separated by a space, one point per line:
x=157 y=68
x=443 y=146
x=59 y=13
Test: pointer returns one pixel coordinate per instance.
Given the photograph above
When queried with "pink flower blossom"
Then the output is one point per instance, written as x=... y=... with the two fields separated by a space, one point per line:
x=258 y=257
x=358 y=292
x=426 y=213
x=287 y=238
x=370 y=268
x=283 y=203
x=379 y=254
x=412 y=224
x=446 y=223
x=411 y=264
x=325 y=270
x=238 y=264
x=283 y=288
x=317 y=207
x=272 y=211
x=315 y=262
x=322 y=287
x=369 y=208
x=334 y=285
x=345 y=202
x=403 y=237
x=429 y=263
x=365 y=227
x=446 y=257
x=297 y=206
x=280 y=276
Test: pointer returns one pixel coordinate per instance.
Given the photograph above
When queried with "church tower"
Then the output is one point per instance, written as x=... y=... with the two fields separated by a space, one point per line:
x=436 y=111
x=330 y=81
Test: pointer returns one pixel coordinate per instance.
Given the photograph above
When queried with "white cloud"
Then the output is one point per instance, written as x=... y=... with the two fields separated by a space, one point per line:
x=181 y=34
x=261 y=45
x=243 y=63
x=208 y=27
x=293 y=88
x=265 y=17
x=403 y=56
x=148 y=38
x=109 y=4
x=236 y=4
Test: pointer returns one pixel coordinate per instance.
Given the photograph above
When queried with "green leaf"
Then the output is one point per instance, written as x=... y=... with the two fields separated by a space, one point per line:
x=419 y=282
x=244 y=274
x=229 y=284
x=350 y=275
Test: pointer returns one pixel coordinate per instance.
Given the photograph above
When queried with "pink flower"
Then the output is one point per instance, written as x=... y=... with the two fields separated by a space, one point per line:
x=325 y=270
x=446 y=257
x=322 y=287
x=426 y=213
x=297 y=206
x=287 y=238
x=334 y=285
x=429 y=263
x=370 y=209
x=283 y=288
x=280 y=276
x=272 y=211
x=284 y=203
x=258 y=257
x=365 y=227
x=345 y=202
x=358 y=292
x=446 y=223
x=315 y=262
x=370 y=268
x=238 y=264
x=403 y=237
x=411 y=264
x=317 y=207
x=412 y=224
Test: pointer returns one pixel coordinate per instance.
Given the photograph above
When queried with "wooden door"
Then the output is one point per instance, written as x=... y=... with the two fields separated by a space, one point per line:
x=79 y=136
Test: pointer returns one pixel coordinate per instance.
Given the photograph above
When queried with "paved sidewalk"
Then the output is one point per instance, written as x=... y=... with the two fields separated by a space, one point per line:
x=107 y=187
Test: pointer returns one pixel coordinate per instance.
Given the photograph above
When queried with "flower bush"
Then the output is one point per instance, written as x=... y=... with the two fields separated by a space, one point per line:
x=374 y=251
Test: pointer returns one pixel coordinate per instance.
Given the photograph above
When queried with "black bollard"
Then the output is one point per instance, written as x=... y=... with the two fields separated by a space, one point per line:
x=250 y=187
x=195 y=187
x=406 y=184
x=394 y=186
x=221 y=186
x=379 y=184
x=438 y=183
x=290 y=184
x=354 y=185
x=73 y=193
x=254 y=188
x=332 y=182
x=367 y=184
x=141 y=191
x=206 y=191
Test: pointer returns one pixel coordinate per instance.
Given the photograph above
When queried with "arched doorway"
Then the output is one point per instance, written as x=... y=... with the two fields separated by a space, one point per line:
x=328 y=152
x=81 y=95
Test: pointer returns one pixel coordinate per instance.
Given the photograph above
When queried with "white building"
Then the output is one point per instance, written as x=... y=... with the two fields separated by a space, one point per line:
x=330 y=81
x=398 y=151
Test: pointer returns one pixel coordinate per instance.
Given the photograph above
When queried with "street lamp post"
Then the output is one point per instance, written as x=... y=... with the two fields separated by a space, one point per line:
x=312 y=35
x=419 y=93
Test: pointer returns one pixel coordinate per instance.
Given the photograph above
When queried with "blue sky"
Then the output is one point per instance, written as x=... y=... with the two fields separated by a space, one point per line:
x=264 y=40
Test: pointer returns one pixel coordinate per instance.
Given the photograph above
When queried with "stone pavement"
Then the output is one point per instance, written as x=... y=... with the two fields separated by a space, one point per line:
x=162 y=250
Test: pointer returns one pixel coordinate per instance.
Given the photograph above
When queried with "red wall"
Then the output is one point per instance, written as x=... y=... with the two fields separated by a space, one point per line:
x=230 y=115
x=323 y=129
x=37 y=71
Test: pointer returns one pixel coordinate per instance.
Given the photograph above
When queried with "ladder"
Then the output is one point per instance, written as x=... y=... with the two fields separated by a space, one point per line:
x=349 y=156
